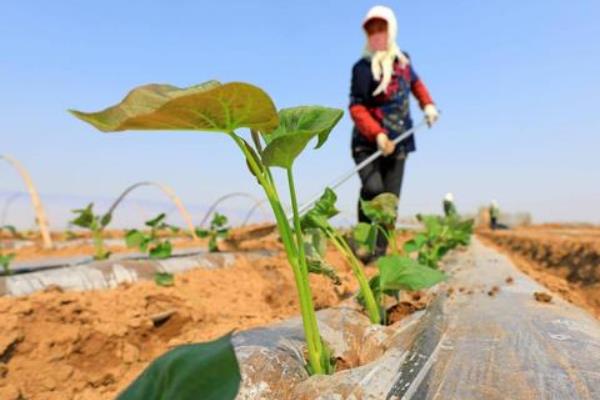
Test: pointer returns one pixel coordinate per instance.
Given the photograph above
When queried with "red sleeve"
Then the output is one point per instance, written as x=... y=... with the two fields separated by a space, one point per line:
x=419 y=90
x=366 y=124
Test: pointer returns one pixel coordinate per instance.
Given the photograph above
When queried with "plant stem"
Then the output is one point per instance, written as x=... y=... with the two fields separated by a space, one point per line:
x=370 y=303
x=313 y=340
x=305 y=282
x=98 y=244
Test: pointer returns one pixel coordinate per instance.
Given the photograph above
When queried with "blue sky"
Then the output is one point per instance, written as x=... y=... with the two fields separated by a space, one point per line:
x=517 y=82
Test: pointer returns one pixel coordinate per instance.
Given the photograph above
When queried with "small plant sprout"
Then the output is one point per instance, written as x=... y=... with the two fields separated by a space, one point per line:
x=317 y=219
x=381 y=210
x=277 y=140
x=441 y=234
x=396 y=271
x=218 y=230
x=151 y=242
x=7 y=258
x=95 y=224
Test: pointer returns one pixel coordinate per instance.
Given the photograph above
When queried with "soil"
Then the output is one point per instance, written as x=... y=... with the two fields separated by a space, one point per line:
x=563 y=258
x=91 y=345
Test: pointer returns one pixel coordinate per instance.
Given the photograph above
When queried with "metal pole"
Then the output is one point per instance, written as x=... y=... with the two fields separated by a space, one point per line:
x=338 y=182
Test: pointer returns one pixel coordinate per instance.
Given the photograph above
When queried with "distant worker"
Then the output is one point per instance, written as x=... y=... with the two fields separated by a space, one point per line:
x=494 y=214
x=449 y=207
x=382 y=81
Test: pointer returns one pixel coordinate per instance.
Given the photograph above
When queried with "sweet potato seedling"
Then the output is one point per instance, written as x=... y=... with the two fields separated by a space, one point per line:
x=396 y=271
x=441 y=234
x=218 y=230
x=277 y=140
x=381 y=210
x=317 y=219
x=95 y=224
x=151 y=241
x=7 y=258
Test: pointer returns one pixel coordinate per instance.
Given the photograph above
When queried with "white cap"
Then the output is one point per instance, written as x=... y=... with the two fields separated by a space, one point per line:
x=386 y=14
x=449 y=197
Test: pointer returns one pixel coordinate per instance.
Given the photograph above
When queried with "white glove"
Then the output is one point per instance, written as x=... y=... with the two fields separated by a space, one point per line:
x=384 y=144
x=431 y=114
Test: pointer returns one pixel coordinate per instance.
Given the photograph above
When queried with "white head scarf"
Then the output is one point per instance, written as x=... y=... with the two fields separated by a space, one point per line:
x=382 y=62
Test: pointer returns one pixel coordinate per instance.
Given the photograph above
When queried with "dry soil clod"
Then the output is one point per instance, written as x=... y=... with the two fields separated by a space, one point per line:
x=542 y=297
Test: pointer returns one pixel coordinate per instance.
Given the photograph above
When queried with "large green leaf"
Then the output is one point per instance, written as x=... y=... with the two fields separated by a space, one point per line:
x=210 y=106
x=297 y=126
x=381 y=209
x=207 y=371
x=404 y=273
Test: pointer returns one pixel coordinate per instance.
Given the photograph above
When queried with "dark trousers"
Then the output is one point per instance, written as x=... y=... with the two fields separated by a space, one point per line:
x=384 y=175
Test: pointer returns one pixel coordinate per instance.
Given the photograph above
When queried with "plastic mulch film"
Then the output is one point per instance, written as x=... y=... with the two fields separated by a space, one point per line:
x=481 y=338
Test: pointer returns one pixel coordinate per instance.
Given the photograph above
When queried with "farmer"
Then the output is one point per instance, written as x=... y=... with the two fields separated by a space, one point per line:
x=449 y=207
x=494 y=213
x=382 y=81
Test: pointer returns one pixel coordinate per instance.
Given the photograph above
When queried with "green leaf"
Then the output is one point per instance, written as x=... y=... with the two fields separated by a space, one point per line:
x=210 y=106
x=164 y=279
x=365 y=235
x=207 y=371
x=415 y=244
x=161 y=250
x=315 y=247
x=5 y=260
x=381 y=209
x=297 y=126
x=218 y=221
x=202 y=233
x=155 y=222
x=324 y=209
x=404 y=273
x=105 y=220
x=134 y=238
x=86 y=217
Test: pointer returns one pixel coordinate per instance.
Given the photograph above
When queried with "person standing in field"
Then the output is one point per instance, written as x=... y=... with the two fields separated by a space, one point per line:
x=494 y=214
x=449 y=206
x=382 y=82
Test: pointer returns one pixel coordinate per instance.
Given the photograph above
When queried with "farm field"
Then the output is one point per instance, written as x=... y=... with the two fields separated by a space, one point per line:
x=90 y=345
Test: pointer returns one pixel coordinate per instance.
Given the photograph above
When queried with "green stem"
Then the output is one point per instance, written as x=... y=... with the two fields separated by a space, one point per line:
x=98 y=244
x=370 y=302
x=311 y=332
x=304 y=269
x=391 y=238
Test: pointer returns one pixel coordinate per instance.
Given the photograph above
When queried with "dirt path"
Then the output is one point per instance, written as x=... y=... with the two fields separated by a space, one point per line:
x=565 y=259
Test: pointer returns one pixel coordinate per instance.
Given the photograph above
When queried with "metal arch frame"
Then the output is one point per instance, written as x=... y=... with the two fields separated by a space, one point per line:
x=169 y=192
x=221 y=199
x=38 y=208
